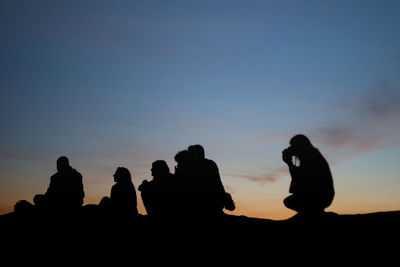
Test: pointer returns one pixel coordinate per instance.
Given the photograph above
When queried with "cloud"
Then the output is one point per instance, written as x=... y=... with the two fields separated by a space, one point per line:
x=345 y=139
x=269 y=177
x=383 y=100
x=374 y=125
x=30 y=153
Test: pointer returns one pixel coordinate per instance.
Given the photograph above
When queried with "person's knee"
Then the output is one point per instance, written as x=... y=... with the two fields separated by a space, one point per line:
x=104 y=202
x=39 y=200
x=296 y=203
x=22 y=206
x=289 y=202
x=286 y=202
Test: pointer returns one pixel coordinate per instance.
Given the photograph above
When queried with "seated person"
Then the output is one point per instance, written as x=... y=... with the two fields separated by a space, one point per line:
x=212 y=196
x=122 y=199
x=65 y=191
x=157 y=194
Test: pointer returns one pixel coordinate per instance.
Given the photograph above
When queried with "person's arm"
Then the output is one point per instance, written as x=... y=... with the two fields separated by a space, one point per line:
x=217 y=182
x=293 y=170
x=51 y=188
x=77 y=192
x=82 y=191
x=143 y=185
x=287 y=158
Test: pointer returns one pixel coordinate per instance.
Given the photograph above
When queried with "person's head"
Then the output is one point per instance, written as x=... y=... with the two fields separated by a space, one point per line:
x=183 y=159
x=62 y=163
x=198 y=151
x=159 y=167
x=122 y=175
x=300 y=144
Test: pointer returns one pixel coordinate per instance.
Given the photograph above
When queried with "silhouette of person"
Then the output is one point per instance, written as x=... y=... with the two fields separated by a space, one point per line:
x=182 y=203
x=312 y=184
x=24 y=207
x=208 y=193
x=65 y=191
x=122 y=198
x=156 y=194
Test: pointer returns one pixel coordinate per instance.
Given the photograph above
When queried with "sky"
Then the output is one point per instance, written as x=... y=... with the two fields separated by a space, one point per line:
x=125 y=83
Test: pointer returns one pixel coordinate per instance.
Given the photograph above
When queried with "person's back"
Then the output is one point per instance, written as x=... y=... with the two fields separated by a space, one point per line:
x=182 y=193
x=320 y=177
x=123 y=194
x=313 y=176
x=210 y=189
x=66 y=188
x=209 y=193
x=157 y=194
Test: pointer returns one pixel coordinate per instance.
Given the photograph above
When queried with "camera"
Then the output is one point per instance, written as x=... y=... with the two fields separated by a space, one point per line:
x=290 y=157
x=288 y=152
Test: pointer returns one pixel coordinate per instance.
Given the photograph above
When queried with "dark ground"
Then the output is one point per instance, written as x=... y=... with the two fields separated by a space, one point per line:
x=93 y=236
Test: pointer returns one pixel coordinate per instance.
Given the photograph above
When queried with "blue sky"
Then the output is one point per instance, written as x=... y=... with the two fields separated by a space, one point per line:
x=130 y=82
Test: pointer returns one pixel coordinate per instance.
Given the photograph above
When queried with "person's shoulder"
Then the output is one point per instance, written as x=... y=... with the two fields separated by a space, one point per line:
x=115 y=187
x=76 y=173
x=210 y=163
x=54 y=176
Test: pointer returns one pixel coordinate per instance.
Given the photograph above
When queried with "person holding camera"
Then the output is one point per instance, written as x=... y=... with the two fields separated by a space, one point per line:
x=311 y=187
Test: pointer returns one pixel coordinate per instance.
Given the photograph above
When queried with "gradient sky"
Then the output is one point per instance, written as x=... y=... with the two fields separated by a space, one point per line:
x=125 y=83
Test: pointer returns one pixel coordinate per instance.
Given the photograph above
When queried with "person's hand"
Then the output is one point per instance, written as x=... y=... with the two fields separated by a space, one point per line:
x=287 y=157
x=143 y=185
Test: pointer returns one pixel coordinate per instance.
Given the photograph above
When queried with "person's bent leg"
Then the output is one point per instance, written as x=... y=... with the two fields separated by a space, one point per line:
x=292 y=202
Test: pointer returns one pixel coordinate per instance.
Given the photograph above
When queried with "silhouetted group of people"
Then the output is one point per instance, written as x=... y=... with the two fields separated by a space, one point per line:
x=194 y=189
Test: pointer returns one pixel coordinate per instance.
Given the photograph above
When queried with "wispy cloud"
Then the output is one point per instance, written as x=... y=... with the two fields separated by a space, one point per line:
x=375 y=125
x=382 y=100
x=28 y=152
x=269 y=177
